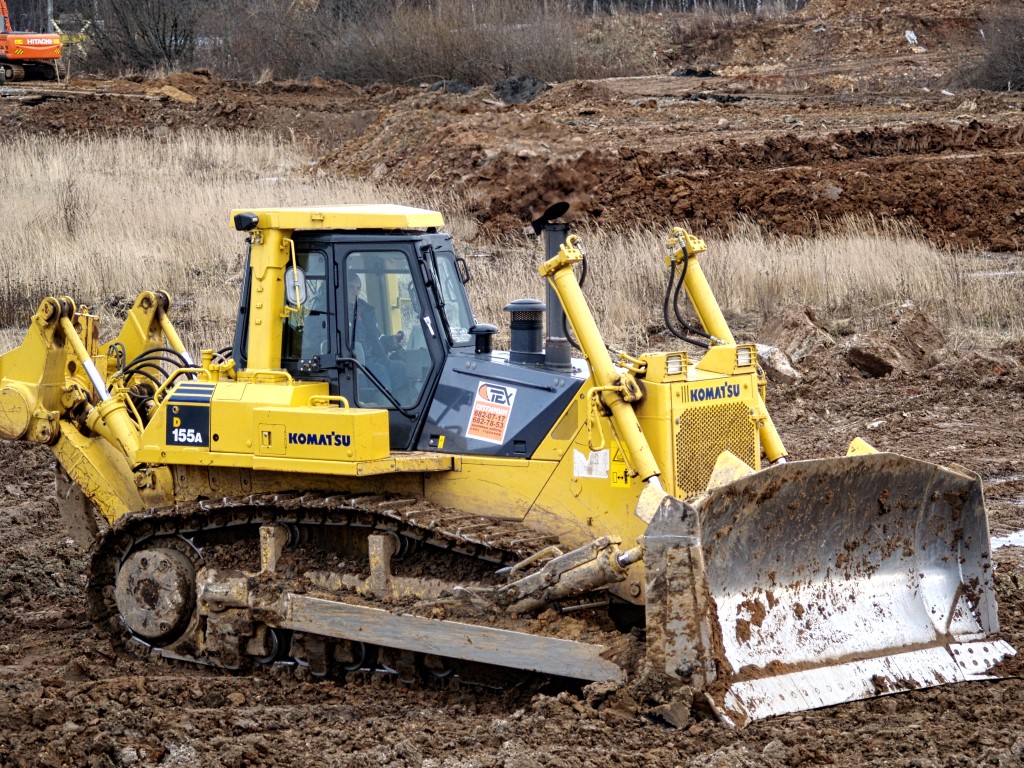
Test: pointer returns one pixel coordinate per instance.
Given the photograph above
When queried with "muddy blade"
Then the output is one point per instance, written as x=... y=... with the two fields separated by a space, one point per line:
x=834 y=580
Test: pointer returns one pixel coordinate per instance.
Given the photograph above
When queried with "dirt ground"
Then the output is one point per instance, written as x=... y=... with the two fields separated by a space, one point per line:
x=66 y=699
x=820 y=114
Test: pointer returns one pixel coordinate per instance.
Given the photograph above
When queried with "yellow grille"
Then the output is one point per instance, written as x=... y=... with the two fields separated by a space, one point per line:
x=703 y=433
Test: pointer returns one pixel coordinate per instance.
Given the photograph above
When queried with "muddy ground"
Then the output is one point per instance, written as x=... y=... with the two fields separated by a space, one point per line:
x=820 y=114
x=67 y=699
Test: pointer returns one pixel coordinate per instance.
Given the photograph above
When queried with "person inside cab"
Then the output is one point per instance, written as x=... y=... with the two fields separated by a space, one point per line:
x=364 y=330
x=369 y=346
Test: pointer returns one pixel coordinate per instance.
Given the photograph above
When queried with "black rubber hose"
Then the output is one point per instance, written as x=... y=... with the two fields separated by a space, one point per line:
x=672 y=297
x=138 y=372
x=698 y=332
x=153 y=361
x=182 y=362
x=151 y=357
x=679 y=314
x=665 y=304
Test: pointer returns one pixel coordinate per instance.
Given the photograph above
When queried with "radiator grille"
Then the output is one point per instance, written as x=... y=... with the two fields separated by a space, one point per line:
x=703 y=433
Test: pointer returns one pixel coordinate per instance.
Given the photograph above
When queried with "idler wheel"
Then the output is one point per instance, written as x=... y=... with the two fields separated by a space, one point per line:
x=156 y=592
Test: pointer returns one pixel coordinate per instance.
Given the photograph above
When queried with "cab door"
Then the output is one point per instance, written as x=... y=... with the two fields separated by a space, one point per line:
x=390 y=348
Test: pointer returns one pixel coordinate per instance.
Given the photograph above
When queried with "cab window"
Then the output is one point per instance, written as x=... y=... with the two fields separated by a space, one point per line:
x=456 y=303
x=306 y=330
x=383 y=327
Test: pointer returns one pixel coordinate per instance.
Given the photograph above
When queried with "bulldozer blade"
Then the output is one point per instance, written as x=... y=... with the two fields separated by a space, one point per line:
x=820 y=582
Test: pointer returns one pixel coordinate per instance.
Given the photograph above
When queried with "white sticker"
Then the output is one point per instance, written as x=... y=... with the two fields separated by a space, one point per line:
x=596 y=465
x=492 y=409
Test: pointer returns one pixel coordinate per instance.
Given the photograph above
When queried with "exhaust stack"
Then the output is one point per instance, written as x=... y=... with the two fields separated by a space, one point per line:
x=527 y=331
x=558 y=353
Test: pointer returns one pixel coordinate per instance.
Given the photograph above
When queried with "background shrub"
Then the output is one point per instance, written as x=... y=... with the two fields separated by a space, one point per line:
x=1002 y=68
x=398 y=41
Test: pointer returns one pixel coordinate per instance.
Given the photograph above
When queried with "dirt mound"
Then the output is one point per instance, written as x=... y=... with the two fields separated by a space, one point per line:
x=909 y=345
x=786 y=180
x=797 y=333
x=809 y=116
x=327 y=111
x=945 y=9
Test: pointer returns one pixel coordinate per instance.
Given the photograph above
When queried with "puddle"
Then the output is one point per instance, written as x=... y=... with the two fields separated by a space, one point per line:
x=1015 y=539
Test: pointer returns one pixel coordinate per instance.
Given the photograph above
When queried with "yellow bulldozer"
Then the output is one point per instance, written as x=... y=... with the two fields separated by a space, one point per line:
x=362 y=482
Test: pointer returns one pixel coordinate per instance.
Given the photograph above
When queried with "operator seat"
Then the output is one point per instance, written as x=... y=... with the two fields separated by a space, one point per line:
x=417 y=359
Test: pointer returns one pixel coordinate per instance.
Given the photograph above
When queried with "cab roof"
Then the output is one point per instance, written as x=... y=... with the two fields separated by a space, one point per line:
x=376 y=217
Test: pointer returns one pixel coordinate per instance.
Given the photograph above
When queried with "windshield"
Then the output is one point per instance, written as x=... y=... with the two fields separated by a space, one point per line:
x=456 y=303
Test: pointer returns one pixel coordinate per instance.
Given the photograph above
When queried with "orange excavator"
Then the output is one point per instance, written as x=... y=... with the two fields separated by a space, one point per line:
x=27 y=55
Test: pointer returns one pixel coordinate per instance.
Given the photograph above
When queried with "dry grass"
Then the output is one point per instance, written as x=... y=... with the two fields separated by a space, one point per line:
x=100 y=219
x=853 y=276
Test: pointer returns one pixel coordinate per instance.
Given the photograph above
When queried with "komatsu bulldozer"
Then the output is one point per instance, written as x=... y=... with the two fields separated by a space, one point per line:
x=362 y=482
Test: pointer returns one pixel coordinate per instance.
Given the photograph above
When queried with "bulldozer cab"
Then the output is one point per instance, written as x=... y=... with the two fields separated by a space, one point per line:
x=373 y=314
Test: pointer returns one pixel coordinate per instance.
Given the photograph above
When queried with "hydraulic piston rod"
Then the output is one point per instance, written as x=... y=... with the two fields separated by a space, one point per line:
x=615 y=387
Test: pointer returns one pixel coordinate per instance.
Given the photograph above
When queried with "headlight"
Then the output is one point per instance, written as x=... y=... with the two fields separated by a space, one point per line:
x=744 y=357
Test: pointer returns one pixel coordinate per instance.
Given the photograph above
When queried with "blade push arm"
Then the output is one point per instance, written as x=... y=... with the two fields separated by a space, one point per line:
x=616 y=389
x=682 y=256
x=56 y=389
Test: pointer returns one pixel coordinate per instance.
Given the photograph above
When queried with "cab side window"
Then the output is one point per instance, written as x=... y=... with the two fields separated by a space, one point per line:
x=456 y=304
x=306 y=331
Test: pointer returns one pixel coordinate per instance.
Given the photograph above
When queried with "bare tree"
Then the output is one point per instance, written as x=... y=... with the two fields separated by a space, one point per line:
x=147 y=33
x=1002 y=69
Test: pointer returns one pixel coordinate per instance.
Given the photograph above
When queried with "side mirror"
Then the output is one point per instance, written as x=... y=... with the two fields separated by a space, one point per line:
x=463 y=269
x=295 y=286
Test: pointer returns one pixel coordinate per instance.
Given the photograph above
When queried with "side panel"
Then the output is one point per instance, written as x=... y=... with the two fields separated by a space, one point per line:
x=491 y=486
x=234 y=423
x=589 y=494
x=29 y=46
x=486 y=406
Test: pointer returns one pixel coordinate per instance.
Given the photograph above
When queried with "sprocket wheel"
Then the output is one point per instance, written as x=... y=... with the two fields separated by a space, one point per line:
x=155 y=593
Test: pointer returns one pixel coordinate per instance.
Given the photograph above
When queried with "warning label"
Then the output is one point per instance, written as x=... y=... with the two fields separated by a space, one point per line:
x=619 y=471
x=492 y=408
